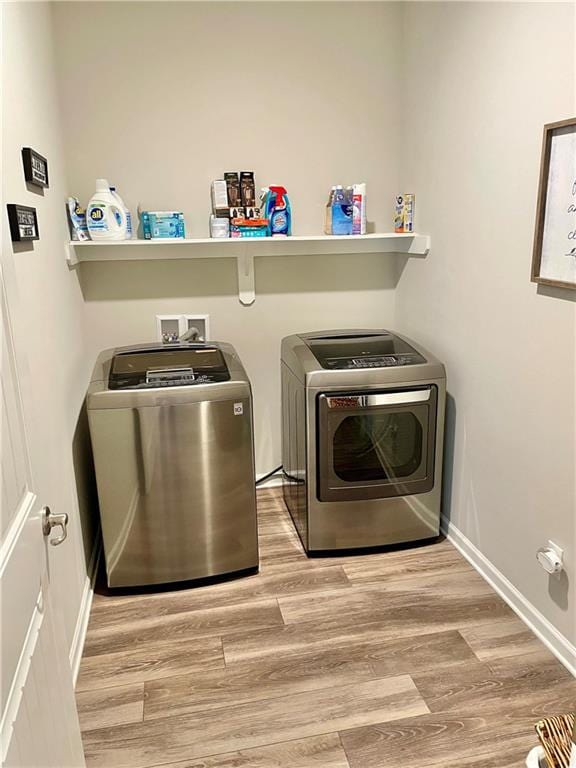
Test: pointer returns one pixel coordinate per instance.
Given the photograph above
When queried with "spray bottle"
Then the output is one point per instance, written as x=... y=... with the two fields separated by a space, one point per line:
x=278 y=212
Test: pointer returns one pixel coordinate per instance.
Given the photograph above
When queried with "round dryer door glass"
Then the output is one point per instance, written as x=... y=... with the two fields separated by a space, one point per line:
x=372 y=447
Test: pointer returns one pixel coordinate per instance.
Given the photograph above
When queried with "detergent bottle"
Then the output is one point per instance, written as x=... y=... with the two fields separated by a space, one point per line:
x=342 y=209
x=278 y=212
x=105 y=214
x=126 y=211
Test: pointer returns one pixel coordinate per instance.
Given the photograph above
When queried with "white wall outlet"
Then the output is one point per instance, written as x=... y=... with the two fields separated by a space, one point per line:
x=169 y=328
x=551 y=558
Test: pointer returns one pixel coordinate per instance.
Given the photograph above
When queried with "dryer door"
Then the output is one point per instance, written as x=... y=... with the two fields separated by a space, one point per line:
x=376 y=444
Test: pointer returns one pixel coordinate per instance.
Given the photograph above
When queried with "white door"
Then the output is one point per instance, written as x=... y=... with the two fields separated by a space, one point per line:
x=39 y=726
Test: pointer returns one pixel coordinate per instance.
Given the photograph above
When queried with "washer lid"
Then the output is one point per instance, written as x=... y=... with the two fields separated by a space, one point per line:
x=364 y=349
x=165 y=367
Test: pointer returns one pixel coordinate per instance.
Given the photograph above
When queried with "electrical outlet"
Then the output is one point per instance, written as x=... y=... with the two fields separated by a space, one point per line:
x=555 y=548
x=551 y=558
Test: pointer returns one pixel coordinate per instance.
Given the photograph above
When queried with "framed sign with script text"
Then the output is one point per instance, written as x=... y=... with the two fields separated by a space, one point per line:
x=554 y=256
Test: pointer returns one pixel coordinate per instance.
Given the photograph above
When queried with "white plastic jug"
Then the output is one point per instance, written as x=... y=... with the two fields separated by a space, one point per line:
x=126 y=211
x=105 y=216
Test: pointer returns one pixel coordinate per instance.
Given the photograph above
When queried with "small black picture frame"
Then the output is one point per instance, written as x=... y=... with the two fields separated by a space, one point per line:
x=23 y=223
x=35 y=168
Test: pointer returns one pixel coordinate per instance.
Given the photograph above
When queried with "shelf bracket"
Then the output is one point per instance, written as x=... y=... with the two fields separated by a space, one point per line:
x=419 y=246
x=70 y=255
x=246 y=285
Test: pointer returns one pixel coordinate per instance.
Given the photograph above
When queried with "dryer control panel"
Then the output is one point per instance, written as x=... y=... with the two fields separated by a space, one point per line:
x=349 y=351
x=382 y=361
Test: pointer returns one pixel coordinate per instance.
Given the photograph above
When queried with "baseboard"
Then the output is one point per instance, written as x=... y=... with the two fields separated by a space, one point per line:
x=79 y=638
x=274 y=482
x=564 y=651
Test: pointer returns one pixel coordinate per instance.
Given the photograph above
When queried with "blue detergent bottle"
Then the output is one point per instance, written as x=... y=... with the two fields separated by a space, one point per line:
x=278 y=212
x=342 y=210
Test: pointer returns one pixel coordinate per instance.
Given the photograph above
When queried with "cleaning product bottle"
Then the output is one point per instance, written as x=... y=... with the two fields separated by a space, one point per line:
x=328 y=212
x=105 y=216
x=342 y=212
x=278 y=212
x=126 y=211
x=359 y=211
x=262 y=203
x=77 y=220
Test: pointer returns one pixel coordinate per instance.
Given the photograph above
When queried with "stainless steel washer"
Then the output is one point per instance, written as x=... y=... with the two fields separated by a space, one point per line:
x=171 y=429
x=362 y=440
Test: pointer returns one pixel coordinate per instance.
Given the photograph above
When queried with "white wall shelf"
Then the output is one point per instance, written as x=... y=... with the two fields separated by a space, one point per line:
x=246 y=250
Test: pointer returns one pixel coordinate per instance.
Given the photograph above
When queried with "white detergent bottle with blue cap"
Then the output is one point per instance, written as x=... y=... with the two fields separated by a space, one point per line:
x=105 y=215
x=126 y=211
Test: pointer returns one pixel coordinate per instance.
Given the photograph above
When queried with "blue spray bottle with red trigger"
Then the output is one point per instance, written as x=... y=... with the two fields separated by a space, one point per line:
x=278 y=212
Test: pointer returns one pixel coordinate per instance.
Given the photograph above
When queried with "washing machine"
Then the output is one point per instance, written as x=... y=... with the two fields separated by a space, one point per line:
x=362 y=438
x=172 y=437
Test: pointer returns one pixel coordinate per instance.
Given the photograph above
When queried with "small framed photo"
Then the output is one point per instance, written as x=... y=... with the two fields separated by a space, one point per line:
x=23 y=223
x=554 y=254
x=35 y=168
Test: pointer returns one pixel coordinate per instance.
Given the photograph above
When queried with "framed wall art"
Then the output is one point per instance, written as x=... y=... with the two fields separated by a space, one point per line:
x=554 y=255
x=35 y=168
x=23 y=223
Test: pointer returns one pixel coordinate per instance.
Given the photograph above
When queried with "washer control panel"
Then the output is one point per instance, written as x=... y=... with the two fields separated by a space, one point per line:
x=183 y=380
x=374 y=362
x=181 y=366
x=166 y=377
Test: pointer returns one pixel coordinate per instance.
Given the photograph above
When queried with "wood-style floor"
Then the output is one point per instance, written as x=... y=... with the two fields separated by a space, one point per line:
x=401 y=659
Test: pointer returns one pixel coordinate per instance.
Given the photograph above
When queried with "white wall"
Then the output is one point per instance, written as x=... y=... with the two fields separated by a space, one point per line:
x=148 y=91
x=163 y=98
x=481 y=80
x=45 y=302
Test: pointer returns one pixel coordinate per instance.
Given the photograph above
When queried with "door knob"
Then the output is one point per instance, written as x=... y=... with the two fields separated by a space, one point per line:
x=50 y=520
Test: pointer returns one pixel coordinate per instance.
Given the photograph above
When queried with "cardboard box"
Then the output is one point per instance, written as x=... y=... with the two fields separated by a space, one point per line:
x=219 y=198
x=233 y=189
x=247 y=189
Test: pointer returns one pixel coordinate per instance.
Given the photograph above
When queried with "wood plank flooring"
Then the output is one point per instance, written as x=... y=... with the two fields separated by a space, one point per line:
x=401 y=658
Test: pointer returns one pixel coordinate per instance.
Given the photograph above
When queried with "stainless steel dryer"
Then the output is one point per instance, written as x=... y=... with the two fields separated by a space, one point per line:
x=171 y=429
x=362 y=438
